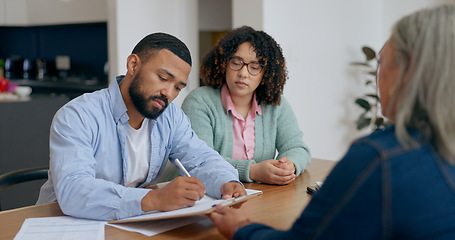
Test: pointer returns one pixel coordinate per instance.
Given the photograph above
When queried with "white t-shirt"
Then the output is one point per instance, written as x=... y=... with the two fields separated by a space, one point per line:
x=138 y=149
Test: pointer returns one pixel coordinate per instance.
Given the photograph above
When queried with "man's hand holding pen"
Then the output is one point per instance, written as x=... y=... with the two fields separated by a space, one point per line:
x=185 y=191
x=180 y=192
x=228 y=190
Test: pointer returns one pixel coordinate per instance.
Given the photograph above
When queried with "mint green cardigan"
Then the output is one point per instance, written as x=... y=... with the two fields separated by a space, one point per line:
x=276 y=130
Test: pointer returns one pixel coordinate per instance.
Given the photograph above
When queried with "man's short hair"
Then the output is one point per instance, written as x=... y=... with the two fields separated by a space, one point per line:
x=153 y=43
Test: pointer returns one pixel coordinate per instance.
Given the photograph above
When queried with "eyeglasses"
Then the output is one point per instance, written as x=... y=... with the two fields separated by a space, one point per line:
x=253 y=68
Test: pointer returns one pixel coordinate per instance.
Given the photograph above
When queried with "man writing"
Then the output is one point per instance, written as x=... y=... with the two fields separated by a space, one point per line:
x=107 y=145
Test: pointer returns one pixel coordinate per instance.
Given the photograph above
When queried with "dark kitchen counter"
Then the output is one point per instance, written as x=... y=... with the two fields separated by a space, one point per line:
x=24 y=142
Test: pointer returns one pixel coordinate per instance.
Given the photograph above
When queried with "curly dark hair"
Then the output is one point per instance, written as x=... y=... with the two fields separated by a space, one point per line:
x=268 y=52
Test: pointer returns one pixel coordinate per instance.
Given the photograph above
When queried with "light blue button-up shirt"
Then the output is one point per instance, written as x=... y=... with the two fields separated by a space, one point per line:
x=88 y=158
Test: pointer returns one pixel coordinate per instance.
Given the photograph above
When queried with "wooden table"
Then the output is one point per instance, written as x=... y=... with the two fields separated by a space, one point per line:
x=278 y=206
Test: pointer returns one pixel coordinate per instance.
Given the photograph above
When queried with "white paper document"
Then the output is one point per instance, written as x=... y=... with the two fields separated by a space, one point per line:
x=60 y=228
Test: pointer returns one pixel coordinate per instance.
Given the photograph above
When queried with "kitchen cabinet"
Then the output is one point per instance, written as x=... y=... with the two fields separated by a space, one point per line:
x=24 y=143
x=51 y=12
x=42 y=44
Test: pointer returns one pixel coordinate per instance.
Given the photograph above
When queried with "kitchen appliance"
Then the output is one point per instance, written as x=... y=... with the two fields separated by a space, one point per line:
x=29 y=69
x=42 y=69
x=63 y=65
x=13 y=67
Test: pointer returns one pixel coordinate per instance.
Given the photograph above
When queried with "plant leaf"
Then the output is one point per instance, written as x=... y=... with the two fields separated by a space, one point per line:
x=369 y=53
x=363 y=122
x=360 y=64
x=363 y=103
x=373 y=96
x=379 y=122
x=373 y=73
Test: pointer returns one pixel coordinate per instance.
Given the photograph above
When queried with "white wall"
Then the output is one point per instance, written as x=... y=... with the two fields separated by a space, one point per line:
x=131 y=20
x=51 y=12
x=2 y=12
x=394 y=10
x=248 y=13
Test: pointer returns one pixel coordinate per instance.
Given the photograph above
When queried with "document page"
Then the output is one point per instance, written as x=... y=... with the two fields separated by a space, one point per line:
x=57 y=228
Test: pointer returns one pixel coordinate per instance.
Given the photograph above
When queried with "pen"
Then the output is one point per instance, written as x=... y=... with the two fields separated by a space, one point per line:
x=181 y=167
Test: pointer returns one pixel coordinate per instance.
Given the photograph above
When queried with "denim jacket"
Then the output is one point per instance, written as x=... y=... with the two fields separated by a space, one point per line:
x=379 y=190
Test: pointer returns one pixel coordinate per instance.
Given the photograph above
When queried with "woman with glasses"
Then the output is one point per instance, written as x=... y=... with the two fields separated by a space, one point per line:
x=241 y=112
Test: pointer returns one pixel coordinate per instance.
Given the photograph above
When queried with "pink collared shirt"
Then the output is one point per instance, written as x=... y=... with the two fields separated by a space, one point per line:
x=242 y=129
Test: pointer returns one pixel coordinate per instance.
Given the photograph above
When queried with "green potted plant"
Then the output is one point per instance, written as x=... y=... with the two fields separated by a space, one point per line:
x=369 y=102
x=2 y=67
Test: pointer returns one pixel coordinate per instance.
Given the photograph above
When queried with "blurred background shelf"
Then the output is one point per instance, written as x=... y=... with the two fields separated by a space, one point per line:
x=71 y=87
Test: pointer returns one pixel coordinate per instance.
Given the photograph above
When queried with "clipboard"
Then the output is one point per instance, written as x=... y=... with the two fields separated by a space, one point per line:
x=202 y=207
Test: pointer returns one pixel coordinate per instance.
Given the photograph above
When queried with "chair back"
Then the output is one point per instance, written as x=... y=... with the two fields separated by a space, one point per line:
x=21 y=176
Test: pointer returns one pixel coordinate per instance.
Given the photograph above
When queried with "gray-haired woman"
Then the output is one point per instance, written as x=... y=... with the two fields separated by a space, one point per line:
x=398 y=183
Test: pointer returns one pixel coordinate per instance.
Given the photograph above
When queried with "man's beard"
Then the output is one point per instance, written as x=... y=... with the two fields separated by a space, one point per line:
x=142 y=103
